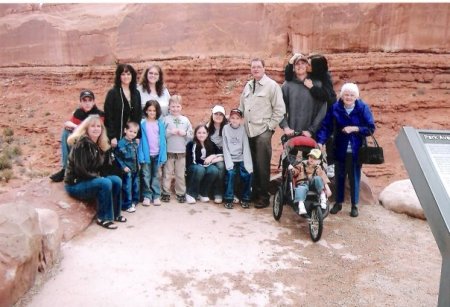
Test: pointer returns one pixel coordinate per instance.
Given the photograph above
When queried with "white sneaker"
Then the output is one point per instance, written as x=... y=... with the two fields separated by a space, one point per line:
x=218 y=200
x=235 y=200
x=146 y=202
x=190 y=200
x=301 y=208
x=132 y=208
x=330 y=171
x=323 y=201
x=204 y=199
x=157 y=202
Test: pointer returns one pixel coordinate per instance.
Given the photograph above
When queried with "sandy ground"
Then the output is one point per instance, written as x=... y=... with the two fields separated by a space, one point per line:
x=204 y=254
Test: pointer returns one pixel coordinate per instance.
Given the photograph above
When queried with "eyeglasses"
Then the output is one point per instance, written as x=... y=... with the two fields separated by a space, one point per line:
x=153 y=73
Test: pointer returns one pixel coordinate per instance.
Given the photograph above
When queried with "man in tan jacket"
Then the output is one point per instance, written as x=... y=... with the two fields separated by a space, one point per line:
x=263 y=107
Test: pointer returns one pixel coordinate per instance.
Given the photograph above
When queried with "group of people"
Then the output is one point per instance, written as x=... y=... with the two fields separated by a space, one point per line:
x=132 y=150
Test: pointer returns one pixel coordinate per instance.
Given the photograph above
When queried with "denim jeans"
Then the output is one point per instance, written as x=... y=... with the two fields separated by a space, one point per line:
x=65 y=148
x=316 y=184
x=151 y=187
x=353 y=170
x=220 y=183
x=130 y=189
x=200 y=179
x=107 y=192
x=246 y=181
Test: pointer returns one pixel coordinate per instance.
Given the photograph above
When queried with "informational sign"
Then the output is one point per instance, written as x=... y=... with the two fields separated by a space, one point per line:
x=438 y=148
x=426 y=156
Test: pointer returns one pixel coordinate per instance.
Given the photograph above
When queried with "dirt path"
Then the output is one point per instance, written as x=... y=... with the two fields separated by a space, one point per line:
x=180 y=255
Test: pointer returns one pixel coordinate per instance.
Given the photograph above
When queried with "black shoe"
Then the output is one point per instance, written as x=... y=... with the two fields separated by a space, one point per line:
x=59 y=176
x=228 y=205
x=245 y=204
x=165 y=198
x=336 y=208
x=354 y=211
x=181 y=198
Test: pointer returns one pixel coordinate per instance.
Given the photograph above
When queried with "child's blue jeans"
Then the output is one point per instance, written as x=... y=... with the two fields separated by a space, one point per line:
x=301 y=190
x=130 y=189
x=200 y=179
x=151 y=187
x=246 y=181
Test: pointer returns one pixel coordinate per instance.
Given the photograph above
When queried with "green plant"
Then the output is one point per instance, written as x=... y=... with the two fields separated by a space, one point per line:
x=12 y=152
x=8 y=132
x=5 y=162
x=6 y=174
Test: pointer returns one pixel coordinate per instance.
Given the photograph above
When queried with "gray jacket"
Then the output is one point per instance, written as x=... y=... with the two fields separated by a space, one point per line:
x=236 y=147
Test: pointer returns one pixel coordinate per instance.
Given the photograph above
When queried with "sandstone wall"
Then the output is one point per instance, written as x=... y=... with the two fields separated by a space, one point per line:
x=88 y=34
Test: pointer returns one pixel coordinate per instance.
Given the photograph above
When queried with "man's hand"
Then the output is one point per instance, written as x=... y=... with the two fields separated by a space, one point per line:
x=306 y=133
x=288 y=131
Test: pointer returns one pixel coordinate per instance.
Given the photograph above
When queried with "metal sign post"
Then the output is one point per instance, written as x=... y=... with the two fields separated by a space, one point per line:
x=426 y=156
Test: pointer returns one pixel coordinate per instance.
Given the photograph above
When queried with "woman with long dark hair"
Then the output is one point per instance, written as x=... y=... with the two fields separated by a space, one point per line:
x=122 y=103
x=152 y=87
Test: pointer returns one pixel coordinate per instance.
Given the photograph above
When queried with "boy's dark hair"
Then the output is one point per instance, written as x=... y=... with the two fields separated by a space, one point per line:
x=130 y=124
x=159 y=84
x=154 y=103
x=125 y=68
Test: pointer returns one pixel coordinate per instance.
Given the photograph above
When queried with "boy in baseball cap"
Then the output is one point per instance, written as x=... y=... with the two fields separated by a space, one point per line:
x=87 y=107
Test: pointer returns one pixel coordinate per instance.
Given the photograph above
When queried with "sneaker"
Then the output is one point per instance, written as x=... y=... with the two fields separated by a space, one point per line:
x=228 y=205
x=323 y=201
x=131 y=209
x=218 y=200
x=204 y=199
x=336 y=208
x=156 y=202
x=182 y=198
x=59 y=176
x=165 y=198
x=354 y=211
x=301 y=208
x=146 y=202
x=330 y=171
x=235 y=200
x=245 y=204
x=190 y=199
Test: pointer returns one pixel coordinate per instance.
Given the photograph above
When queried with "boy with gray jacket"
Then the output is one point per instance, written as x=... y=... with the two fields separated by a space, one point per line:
x=237 y=156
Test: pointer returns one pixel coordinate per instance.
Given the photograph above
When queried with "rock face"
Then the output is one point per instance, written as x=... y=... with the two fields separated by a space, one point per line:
x=29 y=243
x=104 y=33
x=401 y=197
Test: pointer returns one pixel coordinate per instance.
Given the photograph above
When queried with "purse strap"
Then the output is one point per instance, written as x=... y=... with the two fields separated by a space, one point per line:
x=373 y=138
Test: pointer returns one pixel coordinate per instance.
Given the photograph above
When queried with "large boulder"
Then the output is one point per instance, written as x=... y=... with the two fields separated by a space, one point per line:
x=29 y=242
x=401 y=197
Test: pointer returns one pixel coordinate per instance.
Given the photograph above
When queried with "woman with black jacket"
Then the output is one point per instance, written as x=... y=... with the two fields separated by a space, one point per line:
x=122 y=103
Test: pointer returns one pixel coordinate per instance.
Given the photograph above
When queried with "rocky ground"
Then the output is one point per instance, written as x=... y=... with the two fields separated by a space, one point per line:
x=204 y=254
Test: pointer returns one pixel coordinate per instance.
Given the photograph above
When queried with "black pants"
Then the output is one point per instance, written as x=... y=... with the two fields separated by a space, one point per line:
x=261 y=149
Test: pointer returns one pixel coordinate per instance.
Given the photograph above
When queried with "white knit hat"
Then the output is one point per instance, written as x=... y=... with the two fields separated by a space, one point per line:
x=351 y=87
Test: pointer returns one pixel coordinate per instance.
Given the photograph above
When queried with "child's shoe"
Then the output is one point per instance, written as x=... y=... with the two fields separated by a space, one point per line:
x=218 y=199
x=146 y=202
x=182 y=199
x=204 y=199
x=157 y=202
x=190 y=199
x=228 y=205
x=323 y=201
x=131 y=209
x=165 y=198
x=301 y=208
x=245 y=204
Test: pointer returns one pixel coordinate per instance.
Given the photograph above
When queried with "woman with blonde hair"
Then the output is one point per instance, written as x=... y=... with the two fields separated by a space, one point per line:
x=85 y=178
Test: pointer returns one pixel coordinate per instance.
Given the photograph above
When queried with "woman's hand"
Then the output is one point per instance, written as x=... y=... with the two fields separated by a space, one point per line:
x=114 y=142
x=350 y=129
x=306 y=133
x=209 y=159
x=308 y=83
x=126 y=169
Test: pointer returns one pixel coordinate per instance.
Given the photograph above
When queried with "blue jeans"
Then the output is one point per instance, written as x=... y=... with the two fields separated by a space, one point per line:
x=200 y=179
x=130 y=189
x=107 y=192
x=151 y=187
x=353 y=170
x=219 y=186
x=316 y=184
x=65 y=148
x=246 y=181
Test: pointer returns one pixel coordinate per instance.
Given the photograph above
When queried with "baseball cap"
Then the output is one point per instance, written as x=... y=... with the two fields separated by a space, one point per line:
x=87 y=93
x=218 y=109
x=316 y=153
x=236 y=111
x=301 y=57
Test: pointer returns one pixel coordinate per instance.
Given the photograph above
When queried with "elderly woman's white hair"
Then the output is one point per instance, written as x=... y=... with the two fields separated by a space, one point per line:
x=351 y=87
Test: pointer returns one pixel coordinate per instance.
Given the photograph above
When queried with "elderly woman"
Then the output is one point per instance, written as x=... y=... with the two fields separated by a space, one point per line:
x=151 y=87
x=122 y=103
x=350 y=120
x=87 y=161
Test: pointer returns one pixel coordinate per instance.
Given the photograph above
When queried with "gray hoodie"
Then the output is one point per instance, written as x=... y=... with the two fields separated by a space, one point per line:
x=236 y=147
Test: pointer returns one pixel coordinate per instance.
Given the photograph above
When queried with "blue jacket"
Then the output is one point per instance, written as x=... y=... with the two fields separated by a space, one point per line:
x=337 y=118
x=144 y=151
x=126 y=154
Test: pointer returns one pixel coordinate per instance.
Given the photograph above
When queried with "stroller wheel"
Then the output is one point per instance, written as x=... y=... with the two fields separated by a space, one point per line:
x=278 y=204
x=316 y=224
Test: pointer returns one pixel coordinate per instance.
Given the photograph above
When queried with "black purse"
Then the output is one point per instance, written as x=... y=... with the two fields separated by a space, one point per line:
x=371 y=154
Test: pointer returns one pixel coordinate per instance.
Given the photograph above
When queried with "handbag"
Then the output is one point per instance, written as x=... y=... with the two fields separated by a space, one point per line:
x=371 y=154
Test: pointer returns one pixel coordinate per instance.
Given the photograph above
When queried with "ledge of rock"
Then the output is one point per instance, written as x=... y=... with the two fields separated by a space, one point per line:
x=401 y=197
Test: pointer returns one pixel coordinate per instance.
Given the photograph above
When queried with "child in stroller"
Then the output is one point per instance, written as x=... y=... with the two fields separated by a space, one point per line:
x=310 y=175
